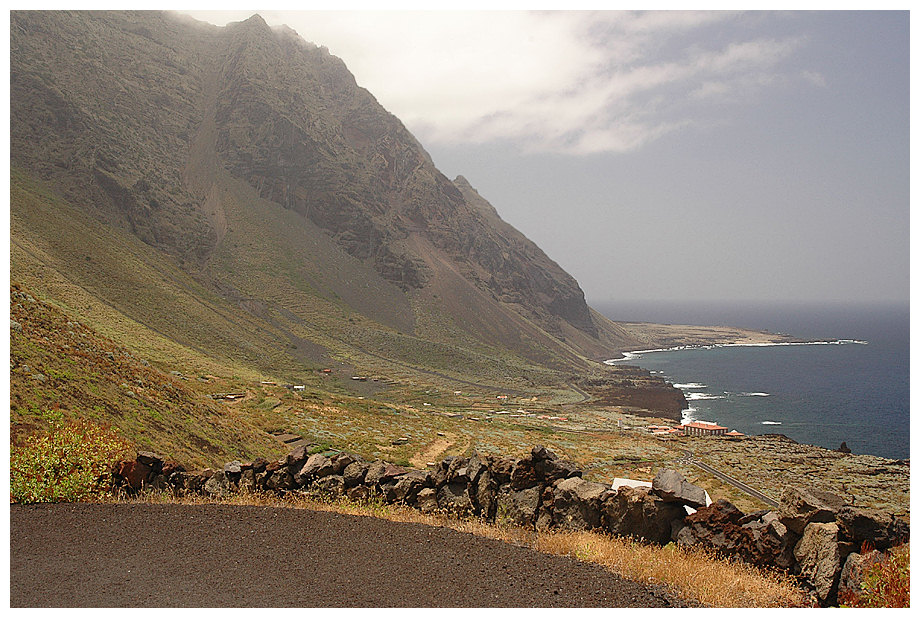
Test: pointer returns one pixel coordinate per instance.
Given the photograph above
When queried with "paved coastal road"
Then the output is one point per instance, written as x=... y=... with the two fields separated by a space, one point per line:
x=731 y=481
x=147 y=555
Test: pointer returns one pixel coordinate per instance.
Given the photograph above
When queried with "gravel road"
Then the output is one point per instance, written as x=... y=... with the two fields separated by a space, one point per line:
x=144 y=555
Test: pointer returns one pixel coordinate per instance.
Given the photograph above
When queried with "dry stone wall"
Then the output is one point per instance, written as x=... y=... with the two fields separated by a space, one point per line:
x=812 y=534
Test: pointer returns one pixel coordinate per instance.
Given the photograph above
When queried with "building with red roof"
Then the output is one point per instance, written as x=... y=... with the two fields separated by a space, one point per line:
x=704 y=428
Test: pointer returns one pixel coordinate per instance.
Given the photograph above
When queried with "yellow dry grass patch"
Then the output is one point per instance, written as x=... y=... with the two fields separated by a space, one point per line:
x=692 y=574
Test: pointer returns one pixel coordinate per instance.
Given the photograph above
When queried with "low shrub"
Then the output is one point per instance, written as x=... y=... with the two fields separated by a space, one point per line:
x=69 y=463
x=885 y=584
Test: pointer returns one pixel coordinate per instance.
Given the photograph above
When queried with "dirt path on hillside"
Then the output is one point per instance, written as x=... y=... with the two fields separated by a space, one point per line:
x=147 y=555
x=430 y=453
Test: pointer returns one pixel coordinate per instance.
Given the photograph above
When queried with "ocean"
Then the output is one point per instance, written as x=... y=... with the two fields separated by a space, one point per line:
x=858 y=393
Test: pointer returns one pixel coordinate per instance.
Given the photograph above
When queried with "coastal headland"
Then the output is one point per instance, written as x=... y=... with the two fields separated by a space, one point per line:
x=666 y=336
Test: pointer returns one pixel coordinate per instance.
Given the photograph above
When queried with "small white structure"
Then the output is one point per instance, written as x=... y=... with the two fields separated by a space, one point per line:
x=618 y=482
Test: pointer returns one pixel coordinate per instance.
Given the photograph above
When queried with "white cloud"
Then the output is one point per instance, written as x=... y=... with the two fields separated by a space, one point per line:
x=815 y=78
x=570 y=82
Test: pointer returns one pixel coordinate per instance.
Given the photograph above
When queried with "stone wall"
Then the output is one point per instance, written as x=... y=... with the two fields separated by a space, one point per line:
x=812 y=534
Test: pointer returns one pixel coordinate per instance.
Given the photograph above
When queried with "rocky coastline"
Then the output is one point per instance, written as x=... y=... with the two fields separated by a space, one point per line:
x=640 y=391
x=649 y=395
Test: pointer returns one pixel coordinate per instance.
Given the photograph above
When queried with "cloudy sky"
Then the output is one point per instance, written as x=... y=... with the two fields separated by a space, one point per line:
x=662 y=155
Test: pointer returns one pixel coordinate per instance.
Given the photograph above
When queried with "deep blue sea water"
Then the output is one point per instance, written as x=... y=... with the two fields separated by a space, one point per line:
x=815 y=394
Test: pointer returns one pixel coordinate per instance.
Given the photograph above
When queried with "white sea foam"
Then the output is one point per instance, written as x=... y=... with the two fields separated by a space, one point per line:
x=770 y=423
x=690 y=385
x=753 y=394
x=698 y=396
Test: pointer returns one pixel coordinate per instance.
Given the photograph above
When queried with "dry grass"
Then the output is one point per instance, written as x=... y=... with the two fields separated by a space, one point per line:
x=691 y=574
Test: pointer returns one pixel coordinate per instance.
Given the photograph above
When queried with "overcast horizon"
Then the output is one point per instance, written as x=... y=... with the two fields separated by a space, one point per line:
x=704 y=156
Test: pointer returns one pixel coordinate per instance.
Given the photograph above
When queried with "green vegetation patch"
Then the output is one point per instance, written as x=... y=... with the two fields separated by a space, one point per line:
x=69 y=463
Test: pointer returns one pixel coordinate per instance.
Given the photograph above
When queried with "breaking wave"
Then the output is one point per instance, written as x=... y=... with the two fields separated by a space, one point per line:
x=688 y=415
x=698 y=396
x=690 y=385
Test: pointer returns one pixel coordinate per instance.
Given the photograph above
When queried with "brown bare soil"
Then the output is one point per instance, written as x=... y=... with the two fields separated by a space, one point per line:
x=144 y=555
x=430 y=453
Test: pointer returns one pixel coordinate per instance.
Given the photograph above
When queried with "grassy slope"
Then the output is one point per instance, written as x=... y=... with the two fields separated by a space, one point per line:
x=126 y=289
x=62 y=368
x=301 y=309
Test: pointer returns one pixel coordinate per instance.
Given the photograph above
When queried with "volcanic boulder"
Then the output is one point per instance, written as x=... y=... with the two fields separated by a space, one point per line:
x=635 y=512
x=671 y=486
x=799 y=507
x=818 y=557
x=577 y=503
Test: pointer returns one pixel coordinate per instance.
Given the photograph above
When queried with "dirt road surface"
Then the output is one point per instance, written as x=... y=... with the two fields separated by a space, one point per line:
x=145 y=555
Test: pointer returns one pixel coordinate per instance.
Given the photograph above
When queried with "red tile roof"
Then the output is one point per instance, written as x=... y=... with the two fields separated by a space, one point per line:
x=704 y=425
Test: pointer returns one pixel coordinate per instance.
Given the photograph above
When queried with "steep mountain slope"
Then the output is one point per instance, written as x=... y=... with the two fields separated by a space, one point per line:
x=61 y=368
x=231 y=195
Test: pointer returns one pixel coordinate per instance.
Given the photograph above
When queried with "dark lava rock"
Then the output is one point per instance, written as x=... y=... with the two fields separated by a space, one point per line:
x=636 y=512
x=132 y=474
x=331 y=486
x=297 y=458
x=316 y=467
x=882 y=530
x=759 y=538
x=151 y=459
x=799 y=507
x=853 y=573
x=671 y=486
x=455 y=498
x=354 y=473
x=576 y=503
x=518 y=507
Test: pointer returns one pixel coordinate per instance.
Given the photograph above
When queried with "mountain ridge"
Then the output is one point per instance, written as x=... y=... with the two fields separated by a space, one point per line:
x=229 y=201
x=359 y=175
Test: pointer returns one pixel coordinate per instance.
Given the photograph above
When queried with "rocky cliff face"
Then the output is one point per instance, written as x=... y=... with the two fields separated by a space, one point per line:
x=109 y=106
x=102 y=104
x=251 y=161
x=292 y=122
